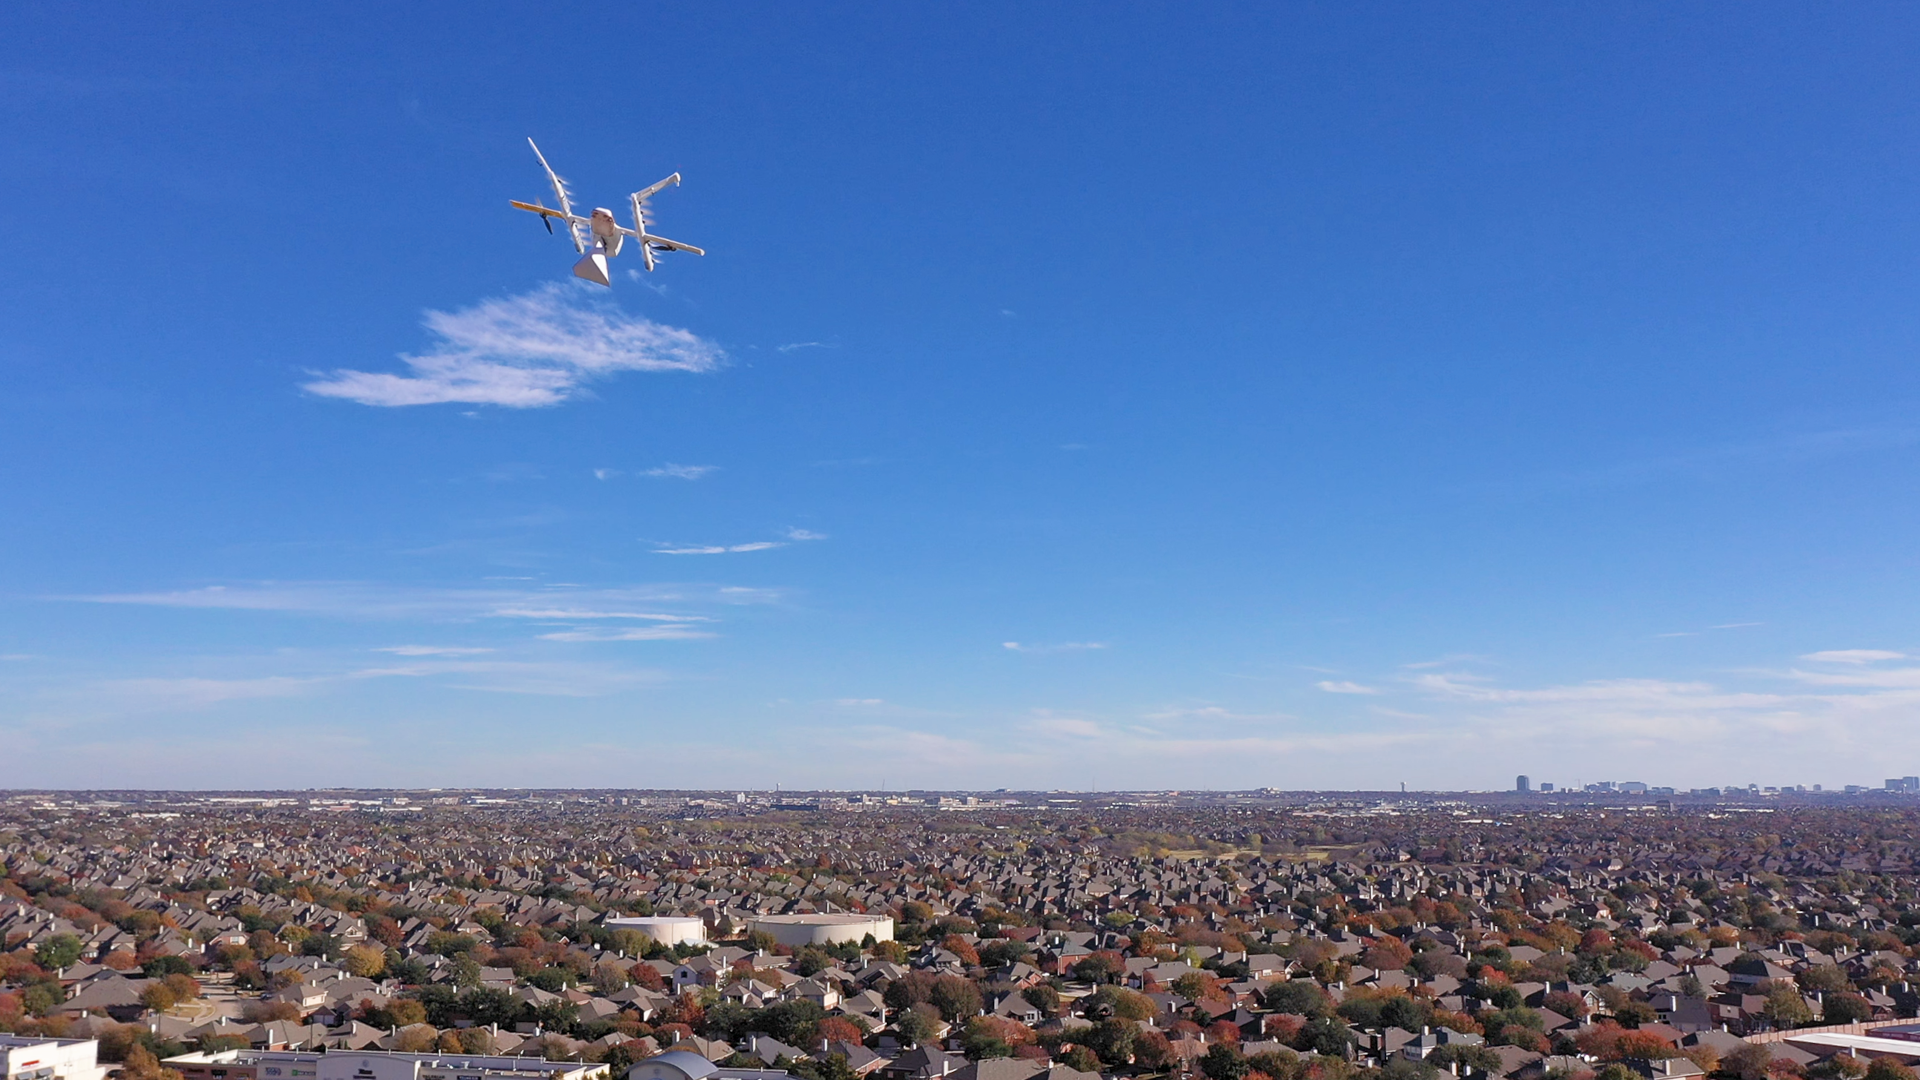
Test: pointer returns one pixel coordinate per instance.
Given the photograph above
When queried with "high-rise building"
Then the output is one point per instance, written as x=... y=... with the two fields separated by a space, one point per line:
x=1521 y=784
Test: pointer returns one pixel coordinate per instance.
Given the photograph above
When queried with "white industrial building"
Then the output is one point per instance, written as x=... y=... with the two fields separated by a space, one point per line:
x=794 y=931
x=30 y=1057
x=374 y=1065
x=665 y=929
x=684 y=1065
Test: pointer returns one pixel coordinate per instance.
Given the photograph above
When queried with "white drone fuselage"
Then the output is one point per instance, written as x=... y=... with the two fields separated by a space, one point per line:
x=599 y=237
x=606 y=232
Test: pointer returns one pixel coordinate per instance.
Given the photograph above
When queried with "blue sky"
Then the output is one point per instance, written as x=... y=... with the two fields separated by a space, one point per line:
x=1073 y=395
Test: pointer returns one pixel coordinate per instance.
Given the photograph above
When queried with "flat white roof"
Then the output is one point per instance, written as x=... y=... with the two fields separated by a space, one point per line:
x=1868 y=1043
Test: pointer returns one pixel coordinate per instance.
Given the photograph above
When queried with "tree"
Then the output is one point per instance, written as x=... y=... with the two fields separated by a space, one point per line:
x=841 y=1029
x=1100 y=967
x=914 y=1026
x=630 y=942
x=158 y=997
x=792 y=1022
x=1301 y=996
x=1570 y=1005
x=1845 y=1008
x=1325 y=1035
x=829 y=1067
x=162 y=966
x=1785 y=1007
x=955 y=997
x=141 y=1064
x=909 y=990
x=1824 y=978
x=1120 y=1002
x=1197 y=985
x=961 y=948
x=58 y=951
x=265 y=1012
x=365 y=961
x=1888 y=1069
x=1152 y=1050
x=1387 y=953
x=1635 y=1013
x=1113 y=1041
x=1223 y=1062
x=1043 y=997
x=1750 y=1061
x=1405 y=1013
x=1081 y=1058
x=1469 y=1058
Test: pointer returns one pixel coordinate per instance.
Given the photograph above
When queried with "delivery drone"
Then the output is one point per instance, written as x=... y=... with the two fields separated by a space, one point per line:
x=598 y=238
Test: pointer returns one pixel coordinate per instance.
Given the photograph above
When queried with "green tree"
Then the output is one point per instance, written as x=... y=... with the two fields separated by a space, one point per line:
x=1100 y=967
x=1223 y=1062
x=1043 y=997
x=792 y=1022
x=914 y=1026
x=1119 y=1002
x=1785 y=1007
x=1301 y=996
x=1845 y=1008
x=1325 y=1035
x=1405 y=1013
x=57 y=951
x=1113 y=1041
x=162 y=966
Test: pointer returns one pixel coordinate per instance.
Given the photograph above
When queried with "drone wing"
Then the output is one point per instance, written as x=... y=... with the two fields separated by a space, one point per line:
x=649 y=242
x=559 y=193
x=672 y=245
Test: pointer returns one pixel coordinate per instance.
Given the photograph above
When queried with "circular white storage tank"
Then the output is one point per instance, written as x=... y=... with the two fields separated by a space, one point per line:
x=794 y=931
x=665 y=929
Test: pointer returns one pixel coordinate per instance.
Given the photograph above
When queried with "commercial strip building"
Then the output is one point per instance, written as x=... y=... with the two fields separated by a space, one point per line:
x=29 y=1057
x=374 y=1065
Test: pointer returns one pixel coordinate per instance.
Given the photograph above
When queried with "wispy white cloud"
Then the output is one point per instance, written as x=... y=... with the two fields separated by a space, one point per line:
x=665 y=632
x=719 y=549
x=194 y=693
x=1064 y=646
x=605 y=474
x=432 y=650
x=570 y=613
x=1344 y=687
x=804 y=534
x=1453 y=658
x=577 y=613
x=680 y=472
x=792 y=345
x=525 y=351
x=1853 y=656
x=1212 y=714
